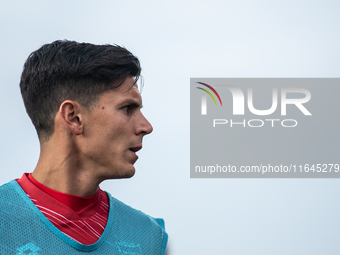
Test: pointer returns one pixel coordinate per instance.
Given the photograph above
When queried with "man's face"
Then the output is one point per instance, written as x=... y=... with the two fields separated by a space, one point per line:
x=113 y=132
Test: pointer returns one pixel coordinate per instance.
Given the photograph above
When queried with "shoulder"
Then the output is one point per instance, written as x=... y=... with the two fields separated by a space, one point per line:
x=124 y=212
x=5 y=185
x=8 y=189
x=134 y=222
x=12 y=195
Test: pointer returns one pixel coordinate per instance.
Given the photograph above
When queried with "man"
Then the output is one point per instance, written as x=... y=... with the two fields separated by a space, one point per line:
x=85 y=105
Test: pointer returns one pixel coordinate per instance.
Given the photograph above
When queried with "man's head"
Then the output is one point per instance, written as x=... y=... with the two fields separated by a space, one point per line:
x=66 y=70
x=111 y=133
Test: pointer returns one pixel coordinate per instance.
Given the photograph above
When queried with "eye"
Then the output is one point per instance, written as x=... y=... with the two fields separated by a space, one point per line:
x=129 y=108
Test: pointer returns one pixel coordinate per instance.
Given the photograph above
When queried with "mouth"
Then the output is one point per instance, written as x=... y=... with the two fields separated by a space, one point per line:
x=135 y=149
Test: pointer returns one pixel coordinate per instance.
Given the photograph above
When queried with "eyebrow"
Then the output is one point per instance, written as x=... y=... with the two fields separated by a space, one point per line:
x=131 y=102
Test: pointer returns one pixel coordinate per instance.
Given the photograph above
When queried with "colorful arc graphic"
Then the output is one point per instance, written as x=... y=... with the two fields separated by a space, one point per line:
x=210 y=93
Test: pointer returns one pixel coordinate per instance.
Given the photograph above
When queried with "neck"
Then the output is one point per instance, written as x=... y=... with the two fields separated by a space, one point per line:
x=61 y=168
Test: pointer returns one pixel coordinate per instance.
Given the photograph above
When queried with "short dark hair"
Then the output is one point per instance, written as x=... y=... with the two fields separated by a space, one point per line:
x=68 y=70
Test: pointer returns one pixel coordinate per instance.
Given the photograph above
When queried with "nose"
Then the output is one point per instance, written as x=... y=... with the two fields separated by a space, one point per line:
x=143 y=127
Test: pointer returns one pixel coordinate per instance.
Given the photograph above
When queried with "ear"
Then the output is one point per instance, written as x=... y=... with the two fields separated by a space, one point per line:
x=72 y=117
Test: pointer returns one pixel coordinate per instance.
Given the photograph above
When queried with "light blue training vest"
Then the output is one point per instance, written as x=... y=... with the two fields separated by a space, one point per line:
x=25 y=230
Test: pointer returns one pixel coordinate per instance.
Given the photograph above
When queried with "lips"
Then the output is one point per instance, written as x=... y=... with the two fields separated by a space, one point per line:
x=136 y=148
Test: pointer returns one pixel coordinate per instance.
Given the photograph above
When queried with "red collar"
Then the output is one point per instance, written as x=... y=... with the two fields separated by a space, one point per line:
x=76 y=203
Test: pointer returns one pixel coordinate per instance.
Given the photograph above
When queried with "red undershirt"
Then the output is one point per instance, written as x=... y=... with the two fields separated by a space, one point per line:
x=81 y=218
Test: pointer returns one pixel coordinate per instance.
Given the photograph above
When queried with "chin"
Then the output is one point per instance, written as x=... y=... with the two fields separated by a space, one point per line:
x=123 y=174
x=127 y=173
